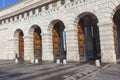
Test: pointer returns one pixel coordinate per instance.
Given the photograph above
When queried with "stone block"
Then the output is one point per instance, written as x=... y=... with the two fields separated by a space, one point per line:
x=58 y=61
x=64 y=61
x=97 y=63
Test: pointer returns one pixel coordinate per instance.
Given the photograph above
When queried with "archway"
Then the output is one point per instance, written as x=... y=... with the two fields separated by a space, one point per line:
x=37 y=41
x=59 y=40
x=19 y=40
x=81 y=42
x=116 y=32
x=88 y=37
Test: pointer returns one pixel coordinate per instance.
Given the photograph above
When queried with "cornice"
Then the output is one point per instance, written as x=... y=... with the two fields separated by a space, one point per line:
x=24 y=8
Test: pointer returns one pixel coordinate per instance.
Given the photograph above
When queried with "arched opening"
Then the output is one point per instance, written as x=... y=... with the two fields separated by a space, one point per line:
x=116 y=32
x=81 y=42
x=59 y=40
x=37 y=42
x=88 y=37
x=19 y=40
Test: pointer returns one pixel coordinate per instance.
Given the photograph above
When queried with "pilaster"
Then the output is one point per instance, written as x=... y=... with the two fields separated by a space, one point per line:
x=28 y=47
x=107 y=43
x=13 y=48
x=72 y=45
x=47 y=46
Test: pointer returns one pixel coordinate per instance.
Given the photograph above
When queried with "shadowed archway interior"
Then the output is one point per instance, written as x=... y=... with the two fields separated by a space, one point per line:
x=59 y=40
x=116 y=32
x=88 y=37
x=20 y=44
x=37 y=43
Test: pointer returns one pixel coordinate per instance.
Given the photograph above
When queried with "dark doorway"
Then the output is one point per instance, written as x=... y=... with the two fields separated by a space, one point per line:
x=37 y=44
x=116 y=32
x=88 y=37
x=81 y=43
x=21 y=45
x=59 y=41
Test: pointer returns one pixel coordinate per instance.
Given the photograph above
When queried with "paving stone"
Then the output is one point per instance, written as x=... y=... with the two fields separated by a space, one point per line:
x=48 y=71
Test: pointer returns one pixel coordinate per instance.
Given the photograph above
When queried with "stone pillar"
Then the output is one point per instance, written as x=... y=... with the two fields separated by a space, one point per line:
x=47 y=46
x=107 y=43
x=16 y=46
x=72 y=45
x=28 y=48
x=13 y=48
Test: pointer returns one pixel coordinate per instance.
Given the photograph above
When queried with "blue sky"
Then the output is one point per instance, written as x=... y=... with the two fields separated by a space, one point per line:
x=7 y=3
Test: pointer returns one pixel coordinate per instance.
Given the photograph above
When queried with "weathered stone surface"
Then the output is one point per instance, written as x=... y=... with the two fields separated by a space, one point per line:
x=67 y=13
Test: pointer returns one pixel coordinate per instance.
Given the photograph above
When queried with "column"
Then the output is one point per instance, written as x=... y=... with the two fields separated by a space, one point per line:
x=13 y=48
x=107 y=43
x=47 y=46
x=28 y=47
x=72 y=45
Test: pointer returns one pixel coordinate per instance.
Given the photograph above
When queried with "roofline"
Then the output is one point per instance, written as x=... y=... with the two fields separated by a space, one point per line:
x=24 y=8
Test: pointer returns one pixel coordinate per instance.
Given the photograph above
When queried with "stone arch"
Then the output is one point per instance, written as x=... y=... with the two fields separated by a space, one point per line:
x=114 y=6
x=36 y=38
x=116 y=15
x=19 y=44
x=56 y=27
x=80 y=16
x=53 y=22
x=17 y=32
x=33 y=27
x=88 y=36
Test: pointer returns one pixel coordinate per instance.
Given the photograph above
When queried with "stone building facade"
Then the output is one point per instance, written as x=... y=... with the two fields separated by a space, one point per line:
x=75 y=30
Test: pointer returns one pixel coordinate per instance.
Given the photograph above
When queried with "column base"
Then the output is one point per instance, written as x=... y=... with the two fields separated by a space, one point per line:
x=108 y=57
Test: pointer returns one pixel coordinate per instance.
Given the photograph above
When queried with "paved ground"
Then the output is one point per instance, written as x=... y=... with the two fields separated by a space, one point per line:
x=45 y=71
x=51 y=71
x=111 y=72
